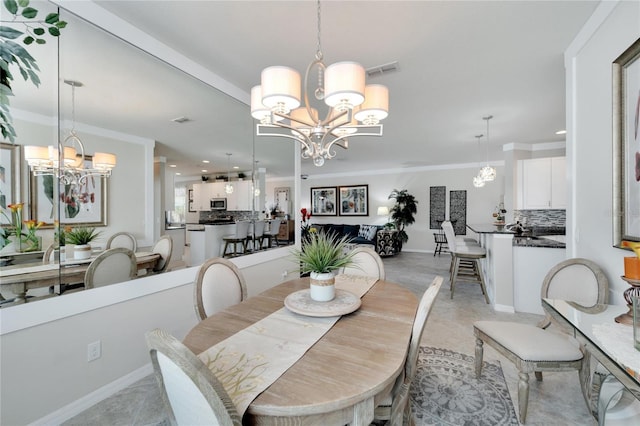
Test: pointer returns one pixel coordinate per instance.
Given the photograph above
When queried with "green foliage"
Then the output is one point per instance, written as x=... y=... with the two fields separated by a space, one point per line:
x=12 y=53
x=323 y=253
x=81 y=235
x=402 y=212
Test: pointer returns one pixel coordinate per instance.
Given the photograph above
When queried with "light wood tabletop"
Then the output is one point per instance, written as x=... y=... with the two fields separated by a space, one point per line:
x=342 y=377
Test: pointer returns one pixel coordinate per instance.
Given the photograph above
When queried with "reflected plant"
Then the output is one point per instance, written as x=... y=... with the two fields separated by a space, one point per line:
x=12 y=53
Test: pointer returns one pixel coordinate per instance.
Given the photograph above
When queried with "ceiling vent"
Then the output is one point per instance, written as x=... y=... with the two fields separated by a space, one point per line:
x=382 y=69
x=181 y=120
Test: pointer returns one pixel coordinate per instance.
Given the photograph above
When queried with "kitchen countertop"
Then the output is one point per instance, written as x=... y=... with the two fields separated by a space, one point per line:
x=489 y=228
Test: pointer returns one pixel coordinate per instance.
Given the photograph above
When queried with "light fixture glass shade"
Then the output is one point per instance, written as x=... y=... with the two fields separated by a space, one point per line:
x=344 y=85
x=69 y=155
x=228 y=188
x=487 y=173
x=37 y=155
x=280 y=88
x=478 y=182
x=104 y=161
x=375 y=106
x=383 y=211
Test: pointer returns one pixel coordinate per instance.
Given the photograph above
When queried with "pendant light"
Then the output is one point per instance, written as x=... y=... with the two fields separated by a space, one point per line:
x=228 y=187
x=488 y=173
x=478 y=181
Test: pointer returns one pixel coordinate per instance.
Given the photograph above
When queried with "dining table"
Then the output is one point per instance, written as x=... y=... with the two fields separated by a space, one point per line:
x=341 y=377
x=21 y=278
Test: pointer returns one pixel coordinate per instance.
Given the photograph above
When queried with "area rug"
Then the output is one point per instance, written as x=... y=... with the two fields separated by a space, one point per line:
x=445 y=391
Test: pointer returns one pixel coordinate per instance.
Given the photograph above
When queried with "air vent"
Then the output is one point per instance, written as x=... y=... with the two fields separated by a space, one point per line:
x=181 y=120
x=382 y=69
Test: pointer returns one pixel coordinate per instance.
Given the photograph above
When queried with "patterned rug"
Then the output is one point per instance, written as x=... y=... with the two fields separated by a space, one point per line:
x=446 y=392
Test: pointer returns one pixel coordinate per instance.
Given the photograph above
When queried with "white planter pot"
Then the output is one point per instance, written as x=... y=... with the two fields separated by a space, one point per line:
x=322 y=286
x=82 y=251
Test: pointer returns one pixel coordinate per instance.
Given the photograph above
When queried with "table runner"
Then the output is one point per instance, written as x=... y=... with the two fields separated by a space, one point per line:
x=251 y=360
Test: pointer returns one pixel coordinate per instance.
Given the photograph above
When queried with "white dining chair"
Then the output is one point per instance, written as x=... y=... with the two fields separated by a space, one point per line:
x=272 y=234
x=366 y=262
x=122 y=239
x=219 y=284
x=256 y=235
x=191 y=392
x=112 y=266
x=534 y=349
x=395 y=408
x=164 y=247
x=239 y=237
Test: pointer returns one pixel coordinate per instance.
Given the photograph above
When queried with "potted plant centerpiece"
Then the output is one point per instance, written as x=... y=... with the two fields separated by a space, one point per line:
x=321 y=255
x=81 y=237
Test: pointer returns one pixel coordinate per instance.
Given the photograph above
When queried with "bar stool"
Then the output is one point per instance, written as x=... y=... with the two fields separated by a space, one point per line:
x=465 y=261
x=240 y=237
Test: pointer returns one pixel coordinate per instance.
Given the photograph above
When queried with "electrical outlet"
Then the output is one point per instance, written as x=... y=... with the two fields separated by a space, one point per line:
x=94 y=351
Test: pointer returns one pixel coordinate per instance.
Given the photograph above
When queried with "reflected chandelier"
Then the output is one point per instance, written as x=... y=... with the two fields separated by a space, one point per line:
x=275 y=103
x=64 y=161
x=487 y=173
x=478 y=181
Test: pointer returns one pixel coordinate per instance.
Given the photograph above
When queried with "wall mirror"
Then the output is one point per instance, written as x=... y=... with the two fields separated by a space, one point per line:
x=127 y=106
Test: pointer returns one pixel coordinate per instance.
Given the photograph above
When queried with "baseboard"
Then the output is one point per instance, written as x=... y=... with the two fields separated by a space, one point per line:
x=76 y=407
x=504 y=308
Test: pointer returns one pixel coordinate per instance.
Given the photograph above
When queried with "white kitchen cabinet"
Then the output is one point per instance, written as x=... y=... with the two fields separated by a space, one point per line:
x=240 y=199
x=202 y=194
x=541 y=183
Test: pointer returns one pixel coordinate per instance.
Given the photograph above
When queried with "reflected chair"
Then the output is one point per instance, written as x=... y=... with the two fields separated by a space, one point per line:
x=219 y=284
x=112 y=266
x=365 y=262
x=396 y=407
x=48 y=256
x=256 y=236
x=465 y=261
x=535 y=349
x=164 y=247
x=240 y=237
x=122 y=239
x=272 y=235
x=191 y=392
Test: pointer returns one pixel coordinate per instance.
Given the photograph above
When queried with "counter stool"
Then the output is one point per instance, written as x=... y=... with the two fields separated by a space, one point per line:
x=465 y=261
x=240 y=237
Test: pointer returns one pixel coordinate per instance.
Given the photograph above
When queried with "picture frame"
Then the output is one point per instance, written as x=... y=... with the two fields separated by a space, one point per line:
x=324 y=201
x=10 y=177
x=354 y=200
x=80 y=205
x=626 y=142
x=190 y=202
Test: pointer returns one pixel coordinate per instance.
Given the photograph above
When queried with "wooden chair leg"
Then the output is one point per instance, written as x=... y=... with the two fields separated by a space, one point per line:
x=481 y=276
x=479 y=356
x=523 y=395
x=456 y=266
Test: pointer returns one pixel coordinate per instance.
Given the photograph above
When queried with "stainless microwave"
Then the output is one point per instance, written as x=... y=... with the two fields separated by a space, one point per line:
x=218 y=204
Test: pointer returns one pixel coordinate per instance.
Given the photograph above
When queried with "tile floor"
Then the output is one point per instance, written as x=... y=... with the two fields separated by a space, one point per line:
x=555 y=401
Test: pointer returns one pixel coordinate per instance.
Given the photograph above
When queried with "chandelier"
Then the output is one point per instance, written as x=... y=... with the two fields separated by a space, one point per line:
x=64 y=161
x=487 y=173
x=228 y=187
x=478 y=181
x=353 y=108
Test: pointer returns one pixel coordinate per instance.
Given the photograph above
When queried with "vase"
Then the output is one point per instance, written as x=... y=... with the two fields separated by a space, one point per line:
x=82 y=251
x=322 y=286
x=29 y=244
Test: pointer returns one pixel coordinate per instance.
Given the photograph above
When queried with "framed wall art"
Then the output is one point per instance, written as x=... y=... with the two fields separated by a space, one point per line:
x=323 y=201
x=354 y=200
x=9 y=177
x=80 y=204
x=626 y=142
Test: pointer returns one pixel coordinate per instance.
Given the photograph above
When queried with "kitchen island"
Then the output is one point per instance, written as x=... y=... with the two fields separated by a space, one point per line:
x=207 y=242
x=516 y=265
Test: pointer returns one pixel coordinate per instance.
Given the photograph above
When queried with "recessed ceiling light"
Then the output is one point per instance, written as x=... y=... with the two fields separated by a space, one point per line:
x=561 y=132
x=181 y=120
x=235 y=167
x=178 y=173
x=204 y=171
x=206 y=161
x=172 y=165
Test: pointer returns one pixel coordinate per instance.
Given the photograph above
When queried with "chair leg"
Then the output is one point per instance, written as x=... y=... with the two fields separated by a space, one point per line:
x=479 y=355
x=523 y=395
x=481 y=276
x=456 y=266
x=224 y=252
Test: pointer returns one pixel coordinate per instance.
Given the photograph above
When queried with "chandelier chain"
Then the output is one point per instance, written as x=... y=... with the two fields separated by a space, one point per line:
x=319 y=45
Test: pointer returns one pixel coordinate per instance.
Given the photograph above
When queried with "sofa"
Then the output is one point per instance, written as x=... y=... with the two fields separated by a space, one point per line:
x=383 y=241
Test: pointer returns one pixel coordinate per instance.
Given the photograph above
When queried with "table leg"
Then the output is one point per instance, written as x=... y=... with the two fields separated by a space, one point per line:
x=20 y=290
x=363 y=413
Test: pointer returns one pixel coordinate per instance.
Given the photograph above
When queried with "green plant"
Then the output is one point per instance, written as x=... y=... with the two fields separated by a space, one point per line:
x=321 y=252
x=12 y=53
x=81 y=235
x=402 y=212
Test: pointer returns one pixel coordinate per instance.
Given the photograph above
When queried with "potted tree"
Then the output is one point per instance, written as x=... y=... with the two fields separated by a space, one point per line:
x=321 y=255
x=402 y=213
x=81 y=237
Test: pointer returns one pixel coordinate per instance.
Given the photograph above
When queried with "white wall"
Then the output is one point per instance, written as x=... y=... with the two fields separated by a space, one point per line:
x=589 y=136
x=44 y=372
x=481 y=202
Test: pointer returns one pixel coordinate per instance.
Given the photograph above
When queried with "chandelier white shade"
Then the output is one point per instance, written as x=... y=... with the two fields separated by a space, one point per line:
x=354 y=109
x=45 y=160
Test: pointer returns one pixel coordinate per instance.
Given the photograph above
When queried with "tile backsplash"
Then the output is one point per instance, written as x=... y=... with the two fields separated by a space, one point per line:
x=544 y=217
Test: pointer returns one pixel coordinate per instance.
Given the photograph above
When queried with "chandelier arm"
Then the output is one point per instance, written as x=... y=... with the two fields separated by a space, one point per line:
x=288 y=117
x=299 y=136
x=337 y=141
x=331 y=118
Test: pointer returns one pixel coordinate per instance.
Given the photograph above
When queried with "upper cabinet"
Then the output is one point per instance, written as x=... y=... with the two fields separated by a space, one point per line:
x=541 y=184
x=239 y=199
